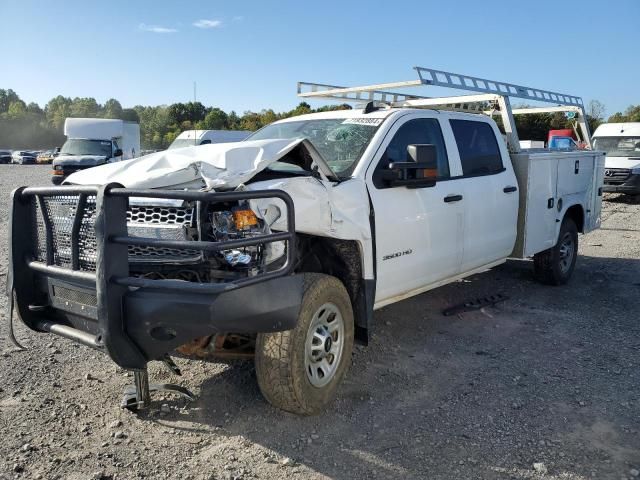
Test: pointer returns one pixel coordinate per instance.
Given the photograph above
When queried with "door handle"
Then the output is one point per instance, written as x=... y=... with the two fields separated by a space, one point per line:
x=452 y=198
x=510 y=189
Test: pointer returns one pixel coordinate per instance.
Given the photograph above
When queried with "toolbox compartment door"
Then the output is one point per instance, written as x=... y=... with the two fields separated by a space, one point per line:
x=537 y=178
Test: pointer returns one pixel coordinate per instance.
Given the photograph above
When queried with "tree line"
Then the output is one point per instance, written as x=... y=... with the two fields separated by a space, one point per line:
x=27 y=125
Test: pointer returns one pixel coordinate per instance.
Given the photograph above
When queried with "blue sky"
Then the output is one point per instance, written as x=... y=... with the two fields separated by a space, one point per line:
x=248 y=55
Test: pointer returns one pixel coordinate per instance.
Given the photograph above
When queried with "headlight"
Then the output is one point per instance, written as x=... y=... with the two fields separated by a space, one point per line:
x=636 y=170
x=244 y=219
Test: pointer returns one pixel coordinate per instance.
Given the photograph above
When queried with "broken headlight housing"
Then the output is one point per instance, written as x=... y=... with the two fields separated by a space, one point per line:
x=241 y=222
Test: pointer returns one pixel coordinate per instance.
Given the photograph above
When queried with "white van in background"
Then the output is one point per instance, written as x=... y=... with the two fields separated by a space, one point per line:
x=95 y=141
x=621 y=142
x=189 y=138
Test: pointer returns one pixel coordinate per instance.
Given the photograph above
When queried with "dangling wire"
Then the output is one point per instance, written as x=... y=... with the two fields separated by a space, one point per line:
x=12 y=336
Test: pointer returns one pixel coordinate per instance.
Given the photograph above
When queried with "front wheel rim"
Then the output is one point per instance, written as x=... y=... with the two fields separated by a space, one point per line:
x=567 y=251
x=324 y=345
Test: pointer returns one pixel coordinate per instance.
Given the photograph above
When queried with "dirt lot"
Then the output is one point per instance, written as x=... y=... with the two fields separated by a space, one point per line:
x=544 y=386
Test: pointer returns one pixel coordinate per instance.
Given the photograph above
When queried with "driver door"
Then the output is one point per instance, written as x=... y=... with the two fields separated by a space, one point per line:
x=418 y=231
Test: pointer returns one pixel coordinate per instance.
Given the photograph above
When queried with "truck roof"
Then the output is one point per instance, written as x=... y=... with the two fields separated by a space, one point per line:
x=381 y=113
x=213 y=134
x=627 y=129
x=94 y=128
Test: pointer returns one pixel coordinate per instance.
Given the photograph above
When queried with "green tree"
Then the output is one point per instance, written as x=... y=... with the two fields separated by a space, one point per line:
x=233 y=120
x=7 y=97
x=631 y=114
x=595 y=114
x=216 y=119
x=250 y=121
x=182 y=112
x=302 y=109
x=35 y=109
x=86 y=107
x=57 y=110
x=130 y=115
x=112 y=109
x=267 y=117
x=17 y=109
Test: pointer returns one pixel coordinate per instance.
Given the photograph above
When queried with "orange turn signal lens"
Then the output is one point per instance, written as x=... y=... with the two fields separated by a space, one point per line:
x=57 y=172
x=244 y=219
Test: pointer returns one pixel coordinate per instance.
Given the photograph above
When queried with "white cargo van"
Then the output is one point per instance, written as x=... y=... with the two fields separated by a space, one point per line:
x=190 y=138
x=95 y=141
x=621 y=142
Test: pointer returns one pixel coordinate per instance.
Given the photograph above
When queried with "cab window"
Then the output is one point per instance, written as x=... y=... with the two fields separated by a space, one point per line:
x=419 y=131
x=478 y=148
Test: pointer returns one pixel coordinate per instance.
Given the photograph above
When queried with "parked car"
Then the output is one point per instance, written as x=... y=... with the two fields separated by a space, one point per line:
x=5 y=156
x=46 y=156
x=23 y=157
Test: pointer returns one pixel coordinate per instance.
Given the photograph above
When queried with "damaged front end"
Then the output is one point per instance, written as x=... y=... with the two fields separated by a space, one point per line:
x=137 y=273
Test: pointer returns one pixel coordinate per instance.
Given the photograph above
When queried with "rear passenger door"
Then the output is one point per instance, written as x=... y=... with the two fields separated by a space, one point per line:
x=490 y=193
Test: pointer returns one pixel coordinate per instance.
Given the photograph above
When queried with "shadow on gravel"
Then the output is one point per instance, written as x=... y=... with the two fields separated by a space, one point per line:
x=623 y=199
x=481 y=395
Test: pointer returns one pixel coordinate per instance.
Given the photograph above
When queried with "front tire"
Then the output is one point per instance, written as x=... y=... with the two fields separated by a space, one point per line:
x=555 y=265
x=299 y=370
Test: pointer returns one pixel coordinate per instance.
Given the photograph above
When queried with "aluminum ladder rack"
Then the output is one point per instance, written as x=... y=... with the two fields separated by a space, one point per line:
x=490 y=97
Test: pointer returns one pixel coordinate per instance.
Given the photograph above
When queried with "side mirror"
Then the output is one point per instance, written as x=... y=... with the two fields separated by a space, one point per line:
x=57 y=150
x=420 y=172
x=117 y=153
x=205 y=142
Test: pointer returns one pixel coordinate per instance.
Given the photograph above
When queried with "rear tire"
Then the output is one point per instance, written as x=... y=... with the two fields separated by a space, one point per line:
x=555 y=265
x=299 y=370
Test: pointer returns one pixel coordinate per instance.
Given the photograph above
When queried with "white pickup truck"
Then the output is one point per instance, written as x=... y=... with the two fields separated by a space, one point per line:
x=282 y=246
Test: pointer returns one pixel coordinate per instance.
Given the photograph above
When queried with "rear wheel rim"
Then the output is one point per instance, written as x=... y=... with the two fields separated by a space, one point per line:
x=567 y=251
x=324 y=345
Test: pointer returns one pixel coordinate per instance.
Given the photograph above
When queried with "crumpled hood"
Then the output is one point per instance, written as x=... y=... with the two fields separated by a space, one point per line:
x=216 y=166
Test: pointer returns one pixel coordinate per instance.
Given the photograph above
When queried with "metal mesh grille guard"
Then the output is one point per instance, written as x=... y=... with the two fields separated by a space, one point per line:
x=61 y=210
x=73 y=228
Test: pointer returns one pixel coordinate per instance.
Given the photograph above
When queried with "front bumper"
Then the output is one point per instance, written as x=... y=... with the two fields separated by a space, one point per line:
x=135 y=319
x=631 y=185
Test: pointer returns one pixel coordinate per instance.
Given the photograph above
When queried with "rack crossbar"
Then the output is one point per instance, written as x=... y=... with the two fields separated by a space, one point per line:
x=440 y=78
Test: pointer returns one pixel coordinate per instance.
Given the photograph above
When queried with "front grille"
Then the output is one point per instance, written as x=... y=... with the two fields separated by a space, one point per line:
x=160 y=215
x=169 y=223
x=616 y=176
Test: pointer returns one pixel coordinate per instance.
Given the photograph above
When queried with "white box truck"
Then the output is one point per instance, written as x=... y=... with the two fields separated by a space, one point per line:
x=190 y=138
x=282 y=246
x=621 y=142
x=95 y=141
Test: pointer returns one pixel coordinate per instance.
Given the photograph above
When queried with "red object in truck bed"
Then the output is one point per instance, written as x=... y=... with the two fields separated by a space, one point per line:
x=563 y=132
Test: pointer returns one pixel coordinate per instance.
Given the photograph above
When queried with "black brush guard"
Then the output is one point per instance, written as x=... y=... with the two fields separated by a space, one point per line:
x=136 y=319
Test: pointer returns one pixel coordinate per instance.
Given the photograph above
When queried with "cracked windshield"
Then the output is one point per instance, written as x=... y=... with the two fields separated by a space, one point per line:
x=340 y=141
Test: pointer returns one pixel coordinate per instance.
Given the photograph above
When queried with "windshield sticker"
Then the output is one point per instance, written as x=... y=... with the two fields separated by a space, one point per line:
x=373 y=122
x=105 y=143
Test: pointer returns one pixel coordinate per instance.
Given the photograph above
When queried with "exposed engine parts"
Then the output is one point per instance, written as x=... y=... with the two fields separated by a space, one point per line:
x=222 y=223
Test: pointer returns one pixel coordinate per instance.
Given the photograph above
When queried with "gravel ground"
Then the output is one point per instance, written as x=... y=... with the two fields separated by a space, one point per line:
x=544 y=386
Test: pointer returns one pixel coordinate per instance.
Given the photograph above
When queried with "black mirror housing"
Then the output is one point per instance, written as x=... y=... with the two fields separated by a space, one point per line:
x=420 y=171
x=117 y=153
